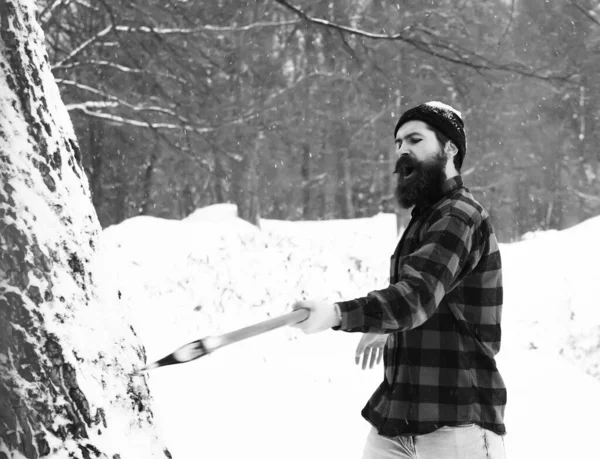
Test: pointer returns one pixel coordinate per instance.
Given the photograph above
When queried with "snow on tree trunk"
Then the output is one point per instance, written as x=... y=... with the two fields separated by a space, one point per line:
x=66 y=355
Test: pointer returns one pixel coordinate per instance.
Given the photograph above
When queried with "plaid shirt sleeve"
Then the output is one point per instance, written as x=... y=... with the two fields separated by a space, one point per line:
x=446 y=253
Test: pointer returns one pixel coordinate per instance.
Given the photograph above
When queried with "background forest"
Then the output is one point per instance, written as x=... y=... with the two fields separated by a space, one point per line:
x=287 y=108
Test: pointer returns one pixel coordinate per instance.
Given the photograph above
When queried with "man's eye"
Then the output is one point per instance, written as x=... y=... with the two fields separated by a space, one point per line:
x=415 y=140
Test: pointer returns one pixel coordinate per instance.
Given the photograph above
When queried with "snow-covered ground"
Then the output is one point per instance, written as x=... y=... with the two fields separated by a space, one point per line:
x=284 y=394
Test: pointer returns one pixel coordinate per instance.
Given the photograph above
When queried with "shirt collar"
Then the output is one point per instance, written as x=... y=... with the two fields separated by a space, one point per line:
x=452 y=184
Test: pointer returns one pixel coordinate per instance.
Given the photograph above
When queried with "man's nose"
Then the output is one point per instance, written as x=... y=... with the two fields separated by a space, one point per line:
x=402 y=151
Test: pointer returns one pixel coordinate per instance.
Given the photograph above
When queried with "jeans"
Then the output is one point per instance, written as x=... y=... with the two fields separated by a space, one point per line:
x=464 y=442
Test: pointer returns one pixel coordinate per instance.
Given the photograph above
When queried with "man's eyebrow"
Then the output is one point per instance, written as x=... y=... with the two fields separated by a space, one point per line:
x=407 y=136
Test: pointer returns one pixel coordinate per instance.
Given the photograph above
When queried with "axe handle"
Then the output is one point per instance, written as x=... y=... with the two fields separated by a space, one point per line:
x=257 y=329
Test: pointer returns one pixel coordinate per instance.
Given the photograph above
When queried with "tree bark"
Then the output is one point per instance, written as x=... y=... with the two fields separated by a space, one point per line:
x=48 y=237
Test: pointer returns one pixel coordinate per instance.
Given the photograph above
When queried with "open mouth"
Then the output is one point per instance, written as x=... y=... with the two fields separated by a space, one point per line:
x=406 y=167
x=407 y=171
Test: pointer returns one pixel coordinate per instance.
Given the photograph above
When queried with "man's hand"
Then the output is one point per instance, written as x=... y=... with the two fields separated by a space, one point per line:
x=323 y=315
x=370 y=347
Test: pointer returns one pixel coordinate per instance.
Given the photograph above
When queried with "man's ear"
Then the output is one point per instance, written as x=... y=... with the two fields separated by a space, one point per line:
x=450 y=149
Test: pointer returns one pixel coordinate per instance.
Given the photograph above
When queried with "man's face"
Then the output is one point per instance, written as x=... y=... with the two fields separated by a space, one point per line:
x=420 y=166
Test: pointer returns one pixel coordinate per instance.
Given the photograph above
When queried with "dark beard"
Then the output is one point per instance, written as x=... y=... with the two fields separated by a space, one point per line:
x=423 y=186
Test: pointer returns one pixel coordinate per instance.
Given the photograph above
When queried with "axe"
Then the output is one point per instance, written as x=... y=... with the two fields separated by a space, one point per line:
x=204 y=346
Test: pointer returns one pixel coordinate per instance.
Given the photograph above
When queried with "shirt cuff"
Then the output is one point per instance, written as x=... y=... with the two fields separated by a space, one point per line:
x=342 y=308
x=338 y=311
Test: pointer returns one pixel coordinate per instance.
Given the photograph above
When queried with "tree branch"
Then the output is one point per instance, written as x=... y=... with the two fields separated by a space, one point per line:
x=91 y=104
x=85 y=44
x=424 y=46
x=587 y=197
x=116 y=102
x=145 y=124
x=332 y=25
x=510 y=21
x=46 y=14
x=135 y=108
x=205 y=28
x=120 y=67
x=585 y=12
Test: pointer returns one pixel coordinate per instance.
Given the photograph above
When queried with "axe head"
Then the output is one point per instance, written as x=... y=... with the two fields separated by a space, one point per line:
x=185 y=353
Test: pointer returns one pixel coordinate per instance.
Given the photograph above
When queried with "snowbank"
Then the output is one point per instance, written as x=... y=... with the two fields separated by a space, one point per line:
x=288 y=395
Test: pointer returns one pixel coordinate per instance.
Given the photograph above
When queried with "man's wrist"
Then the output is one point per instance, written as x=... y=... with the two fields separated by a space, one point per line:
x=338 y=314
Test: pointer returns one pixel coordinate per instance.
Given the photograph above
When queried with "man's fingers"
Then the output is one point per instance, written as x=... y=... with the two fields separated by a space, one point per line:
x=360 y=349
x=380 y=356
x=371 y=356
x=366 y=358
x=374 y=353
x=371 y=353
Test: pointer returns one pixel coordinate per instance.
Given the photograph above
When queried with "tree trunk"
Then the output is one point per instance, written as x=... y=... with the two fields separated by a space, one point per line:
x=306 y=173
x=393 y=158
x=148 y=179
x=122 y=198
x=329 y=184
x=245 y=186
x=62 y=383
x=347 y=183
x=220 y=177
x=186 y=202
x=252 y=211
x=94 y=148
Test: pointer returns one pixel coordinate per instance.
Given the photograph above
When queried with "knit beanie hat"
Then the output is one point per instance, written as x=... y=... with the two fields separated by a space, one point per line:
x=442 y=117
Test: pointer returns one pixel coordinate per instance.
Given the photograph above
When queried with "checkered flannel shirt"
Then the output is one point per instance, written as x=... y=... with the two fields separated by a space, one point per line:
x=442 y=311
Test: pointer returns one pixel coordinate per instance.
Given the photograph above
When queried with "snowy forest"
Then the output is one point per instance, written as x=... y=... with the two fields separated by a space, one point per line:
x=177 y=169
x=287 y=108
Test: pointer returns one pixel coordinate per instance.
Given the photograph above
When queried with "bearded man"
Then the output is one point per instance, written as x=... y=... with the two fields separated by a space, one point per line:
x=438 y=324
